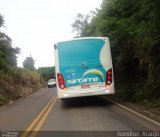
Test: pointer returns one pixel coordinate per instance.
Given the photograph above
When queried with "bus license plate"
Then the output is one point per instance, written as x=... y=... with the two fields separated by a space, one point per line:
x=85 y=86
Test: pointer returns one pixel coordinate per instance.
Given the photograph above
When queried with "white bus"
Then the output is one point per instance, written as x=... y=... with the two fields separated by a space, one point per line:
x=84 y=67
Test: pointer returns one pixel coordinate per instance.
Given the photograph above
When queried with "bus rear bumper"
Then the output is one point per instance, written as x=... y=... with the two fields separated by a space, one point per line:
x=71 y=94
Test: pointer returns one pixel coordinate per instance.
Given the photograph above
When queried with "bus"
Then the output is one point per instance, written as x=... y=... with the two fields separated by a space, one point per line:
x=83 y=67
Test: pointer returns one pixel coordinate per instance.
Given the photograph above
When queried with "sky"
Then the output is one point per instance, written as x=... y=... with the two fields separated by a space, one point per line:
x=35 y=25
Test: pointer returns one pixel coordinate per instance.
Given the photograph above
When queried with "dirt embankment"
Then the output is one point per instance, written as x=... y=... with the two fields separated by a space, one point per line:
x=18 y=83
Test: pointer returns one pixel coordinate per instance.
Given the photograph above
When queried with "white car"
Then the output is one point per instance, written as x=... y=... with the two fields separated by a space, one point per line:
x=51 y=83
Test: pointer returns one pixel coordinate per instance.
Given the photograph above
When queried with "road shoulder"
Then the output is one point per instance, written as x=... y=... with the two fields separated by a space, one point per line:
x=152 y=113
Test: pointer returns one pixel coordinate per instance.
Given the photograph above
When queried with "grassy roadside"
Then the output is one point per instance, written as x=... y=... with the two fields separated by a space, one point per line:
x=17 y=83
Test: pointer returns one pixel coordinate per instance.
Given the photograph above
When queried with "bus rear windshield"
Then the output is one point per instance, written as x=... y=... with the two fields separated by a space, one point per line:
x=78 y=51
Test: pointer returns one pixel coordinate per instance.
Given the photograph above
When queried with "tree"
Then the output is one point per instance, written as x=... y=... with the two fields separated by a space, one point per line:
x=29 y=63
x=81 y=22
x=134 y=32
x=47 y=72
x=8 y=54
x=1 y=21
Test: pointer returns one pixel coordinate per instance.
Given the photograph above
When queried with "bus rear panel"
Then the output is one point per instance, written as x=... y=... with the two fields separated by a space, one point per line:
x=84 y=67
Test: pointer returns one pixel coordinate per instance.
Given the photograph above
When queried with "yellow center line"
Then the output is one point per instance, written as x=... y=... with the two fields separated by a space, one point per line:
x=37 y=118
x=43 y=119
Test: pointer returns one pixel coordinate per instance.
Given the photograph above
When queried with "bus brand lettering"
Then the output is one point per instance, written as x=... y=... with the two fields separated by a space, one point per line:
x=82 y=80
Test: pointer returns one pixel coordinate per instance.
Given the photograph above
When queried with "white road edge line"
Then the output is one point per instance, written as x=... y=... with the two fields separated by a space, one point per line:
x=14 y=101
x=143 y=116
x=17 y=100
x=10 y=102
x=6 y=105
x=3 y=107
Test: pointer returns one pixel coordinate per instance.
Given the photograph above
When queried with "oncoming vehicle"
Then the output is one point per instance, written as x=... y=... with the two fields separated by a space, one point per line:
x=84 y=67
x=51 y=83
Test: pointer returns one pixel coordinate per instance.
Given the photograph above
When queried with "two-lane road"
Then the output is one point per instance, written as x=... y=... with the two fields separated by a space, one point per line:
x=21 y=113
x=42 y=111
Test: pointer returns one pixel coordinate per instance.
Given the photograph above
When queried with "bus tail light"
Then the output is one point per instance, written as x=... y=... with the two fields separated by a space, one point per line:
x=61 y=82
x=109 y=78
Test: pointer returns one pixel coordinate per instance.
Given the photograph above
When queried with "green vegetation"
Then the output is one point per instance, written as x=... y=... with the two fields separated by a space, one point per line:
x=134 y=32
x=7 y=53
x=47 y=72
x=15 y=82
x=29 y=63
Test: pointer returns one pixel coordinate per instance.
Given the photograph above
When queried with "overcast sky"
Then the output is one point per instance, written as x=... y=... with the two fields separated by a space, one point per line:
x=35 y=25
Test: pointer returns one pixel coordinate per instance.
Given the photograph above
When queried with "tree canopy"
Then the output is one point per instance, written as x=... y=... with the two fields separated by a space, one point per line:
x=134 y=32
x=7 y=52
x=47 y=72
x=28 y=63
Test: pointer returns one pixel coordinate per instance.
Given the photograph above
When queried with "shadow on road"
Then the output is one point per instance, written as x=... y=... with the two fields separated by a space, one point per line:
x=93 y=101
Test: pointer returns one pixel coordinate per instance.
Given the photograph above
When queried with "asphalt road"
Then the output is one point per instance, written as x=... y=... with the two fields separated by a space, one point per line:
x=42 y=111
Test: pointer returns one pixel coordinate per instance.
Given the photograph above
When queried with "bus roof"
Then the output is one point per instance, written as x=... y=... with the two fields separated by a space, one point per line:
x=82 y=38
